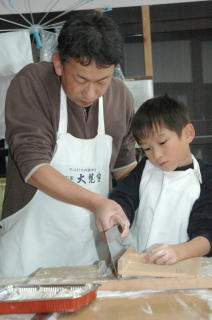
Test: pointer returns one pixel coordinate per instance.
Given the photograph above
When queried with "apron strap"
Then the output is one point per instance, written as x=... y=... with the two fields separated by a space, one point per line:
x=101 y=124
x=63 y=120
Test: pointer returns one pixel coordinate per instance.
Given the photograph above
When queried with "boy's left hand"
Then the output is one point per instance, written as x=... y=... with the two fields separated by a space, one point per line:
x=163 y=254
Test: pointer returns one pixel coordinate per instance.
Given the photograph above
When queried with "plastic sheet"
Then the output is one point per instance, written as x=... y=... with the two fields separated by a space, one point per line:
x=118 y=73
x=49 y=42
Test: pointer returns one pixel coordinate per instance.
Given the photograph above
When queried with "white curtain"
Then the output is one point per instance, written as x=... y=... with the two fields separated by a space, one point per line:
x=15 y=53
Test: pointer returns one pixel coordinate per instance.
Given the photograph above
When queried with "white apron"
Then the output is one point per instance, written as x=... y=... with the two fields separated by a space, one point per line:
x=49 y=233
x=166 y=200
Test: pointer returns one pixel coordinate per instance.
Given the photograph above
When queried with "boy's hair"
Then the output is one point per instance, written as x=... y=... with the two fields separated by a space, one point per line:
x=91 y=37
x=157 y=113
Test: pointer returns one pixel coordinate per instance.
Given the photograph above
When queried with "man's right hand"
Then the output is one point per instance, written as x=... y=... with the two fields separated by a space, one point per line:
x=107 y=213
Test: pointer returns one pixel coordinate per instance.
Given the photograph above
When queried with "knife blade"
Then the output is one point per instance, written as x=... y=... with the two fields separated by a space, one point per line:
x=115 y=245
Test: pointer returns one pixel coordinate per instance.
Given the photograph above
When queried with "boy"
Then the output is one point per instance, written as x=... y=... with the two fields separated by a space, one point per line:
x=168 y=196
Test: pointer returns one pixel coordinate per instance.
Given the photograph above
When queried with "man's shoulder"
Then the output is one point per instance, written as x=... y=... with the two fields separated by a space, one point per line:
x=117 y=81
x=35 y=70
x=118 y=92
x=117 y=84
x=39 y=75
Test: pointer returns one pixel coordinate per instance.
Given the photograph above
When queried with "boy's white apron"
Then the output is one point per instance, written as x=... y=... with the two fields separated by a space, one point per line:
x=166 y=200
x=47 y=232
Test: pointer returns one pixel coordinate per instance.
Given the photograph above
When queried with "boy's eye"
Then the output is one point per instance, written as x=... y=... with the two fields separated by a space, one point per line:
x=146 y=149
x=163 y=142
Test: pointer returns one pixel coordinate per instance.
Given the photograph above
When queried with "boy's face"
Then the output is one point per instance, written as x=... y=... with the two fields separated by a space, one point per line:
x=165 y=150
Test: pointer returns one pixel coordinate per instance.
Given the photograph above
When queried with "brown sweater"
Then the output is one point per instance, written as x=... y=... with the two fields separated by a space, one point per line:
x=32 y=118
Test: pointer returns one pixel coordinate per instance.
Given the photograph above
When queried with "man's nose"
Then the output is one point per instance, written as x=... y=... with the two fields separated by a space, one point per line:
x=89 y=91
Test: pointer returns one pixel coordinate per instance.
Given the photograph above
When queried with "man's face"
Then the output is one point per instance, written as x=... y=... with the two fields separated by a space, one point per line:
x=165 y=150
x=83 y=84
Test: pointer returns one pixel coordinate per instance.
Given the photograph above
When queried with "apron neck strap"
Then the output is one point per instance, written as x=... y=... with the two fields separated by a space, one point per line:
x=101 y=124
x=63 y=120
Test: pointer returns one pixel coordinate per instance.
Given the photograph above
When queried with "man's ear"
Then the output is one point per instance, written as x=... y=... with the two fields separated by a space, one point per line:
x=58 y=67
x=189 y=132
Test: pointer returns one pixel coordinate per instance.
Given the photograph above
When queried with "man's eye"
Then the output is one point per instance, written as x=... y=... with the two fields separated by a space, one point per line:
x=146 y=149
x=80 y=82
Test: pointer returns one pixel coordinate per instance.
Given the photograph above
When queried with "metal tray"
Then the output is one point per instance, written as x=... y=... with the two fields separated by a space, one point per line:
x=55 y=304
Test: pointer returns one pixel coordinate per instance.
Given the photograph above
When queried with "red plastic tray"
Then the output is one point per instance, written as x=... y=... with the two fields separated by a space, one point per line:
x=46 y=305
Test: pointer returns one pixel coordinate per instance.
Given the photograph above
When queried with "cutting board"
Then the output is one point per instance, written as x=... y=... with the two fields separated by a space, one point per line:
x=89 y=274
x=130 y=263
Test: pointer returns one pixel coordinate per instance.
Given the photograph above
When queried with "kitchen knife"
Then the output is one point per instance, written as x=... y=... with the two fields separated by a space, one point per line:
x=115 y=245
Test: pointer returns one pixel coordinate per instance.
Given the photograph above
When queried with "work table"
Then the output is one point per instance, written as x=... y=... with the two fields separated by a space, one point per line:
x=127 y=299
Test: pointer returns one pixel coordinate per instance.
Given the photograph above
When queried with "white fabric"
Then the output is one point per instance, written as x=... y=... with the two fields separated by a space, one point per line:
x=15 y=53
x=47 y=232
x=166 y=200
x=4 y=84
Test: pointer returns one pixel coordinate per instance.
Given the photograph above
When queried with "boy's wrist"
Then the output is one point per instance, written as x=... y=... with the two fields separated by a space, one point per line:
x=181 y=250
x=196 y=247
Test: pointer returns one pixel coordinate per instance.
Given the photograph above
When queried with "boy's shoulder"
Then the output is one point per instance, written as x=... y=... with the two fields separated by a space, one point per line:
x=138 y=170
x=141 y=163
x=205 y=169
x=204 y=165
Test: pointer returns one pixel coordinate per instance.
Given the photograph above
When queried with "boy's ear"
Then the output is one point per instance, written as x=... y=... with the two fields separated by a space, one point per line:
x=189 y=132
x=58 y=67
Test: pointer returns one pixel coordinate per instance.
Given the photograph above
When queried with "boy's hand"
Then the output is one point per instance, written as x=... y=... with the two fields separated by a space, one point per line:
x=163 y=254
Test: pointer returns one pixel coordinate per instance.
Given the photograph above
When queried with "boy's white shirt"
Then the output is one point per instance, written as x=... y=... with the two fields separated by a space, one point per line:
x=165 y=203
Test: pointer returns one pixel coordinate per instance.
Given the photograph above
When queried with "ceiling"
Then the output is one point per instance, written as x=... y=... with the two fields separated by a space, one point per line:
x=23 y=6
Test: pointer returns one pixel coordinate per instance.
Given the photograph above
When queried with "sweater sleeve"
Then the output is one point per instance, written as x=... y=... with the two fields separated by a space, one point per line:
x=200 y=222
x=29 y=126
x=126 y=193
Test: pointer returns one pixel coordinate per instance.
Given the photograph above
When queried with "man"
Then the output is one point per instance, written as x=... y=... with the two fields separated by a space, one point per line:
x=63 y=146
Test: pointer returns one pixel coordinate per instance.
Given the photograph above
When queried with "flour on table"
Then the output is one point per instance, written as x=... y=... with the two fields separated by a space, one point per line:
x=129 y=294
x=206 y=270
x=202 y=294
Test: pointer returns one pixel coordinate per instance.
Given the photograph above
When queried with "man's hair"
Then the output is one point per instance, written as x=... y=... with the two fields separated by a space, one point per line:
x=91 y=37
x=159 y=113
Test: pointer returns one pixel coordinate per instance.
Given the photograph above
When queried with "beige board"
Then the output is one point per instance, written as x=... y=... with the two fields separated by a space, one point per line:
x=89 y=274
x=130 y=263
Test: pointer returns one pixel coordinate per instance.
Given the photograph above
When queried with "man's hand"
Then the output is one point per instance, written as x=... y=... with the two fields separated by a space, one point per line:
x=163 y=254
x=107 y=213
